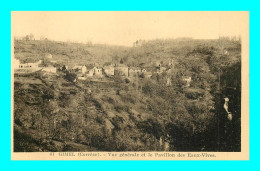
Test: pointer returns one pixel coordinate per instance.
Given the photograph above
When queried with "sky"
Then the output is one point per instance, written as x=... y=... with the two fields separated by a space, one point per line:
x=123 y=28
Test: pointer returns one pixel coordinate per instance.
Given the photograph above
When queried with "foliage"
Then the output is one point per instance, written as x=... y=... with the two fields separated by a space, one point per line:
x=134 y=113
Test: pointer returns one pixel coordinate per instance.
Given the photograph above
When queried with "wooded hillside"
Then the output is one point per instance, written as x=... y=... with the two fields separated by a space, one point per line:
x=131 y=114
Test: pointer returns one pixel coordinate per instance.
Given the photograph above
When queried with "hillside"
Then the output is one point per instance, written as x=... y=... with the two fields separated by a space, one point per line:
x=65 y=52
x=104 y=119
x=122 y=114
x=150 y=52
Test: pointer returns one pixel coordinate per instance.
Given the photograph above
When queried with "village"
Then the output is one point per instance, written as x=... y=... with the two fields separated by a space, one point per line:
x=99 y=77
x=125 y=82
x=95 y=72
x=75 y=99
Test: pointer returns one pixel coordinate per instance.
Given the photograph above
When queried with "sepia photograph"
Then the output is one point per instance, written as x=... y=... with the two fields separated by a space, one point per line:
x=107 y=84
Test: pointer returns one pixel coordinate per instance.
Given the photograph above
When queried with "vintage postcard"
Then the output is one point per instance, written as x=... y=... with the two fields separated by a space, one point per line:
x=130 y=85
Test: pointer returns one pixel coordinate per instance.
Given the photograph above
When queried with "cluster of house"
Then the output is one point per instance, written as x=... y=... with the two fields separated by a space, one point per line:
x=116 y=69
x=86 y=71
x=110 y=70
x=25 y=68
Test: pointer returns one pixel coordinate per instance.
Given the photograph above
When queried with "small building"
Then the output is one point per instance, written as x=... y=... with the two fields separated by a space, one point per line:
x=143 y=70
x=98 y=71
x=168 y=82
x=134 y=71
x=158 y=64
x=84 y=69
x=187 y=80
x=109 y=70
x=148 y=74
x=26 y=67
x=89 y=70
x=90 y=73
x=147 y=71
x=80 y=69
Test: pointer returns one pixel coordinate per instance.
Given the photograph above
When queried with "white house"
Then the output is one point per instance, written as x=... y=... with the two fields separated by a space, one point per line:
x=90 y=73
x=26 y=67
x=148 y=74
x=158 y=64
x=84 y=69
x=168 y=82
x=98 y=71
x=188 y=80
x=134 y=71
x=143 y=70
x=109 y=70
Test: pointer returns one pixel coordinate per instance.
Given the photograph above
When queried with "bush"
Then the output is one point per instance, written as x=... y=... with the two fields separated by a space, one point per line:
x=151 y=127
x=127 y=80
x=70 y=76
